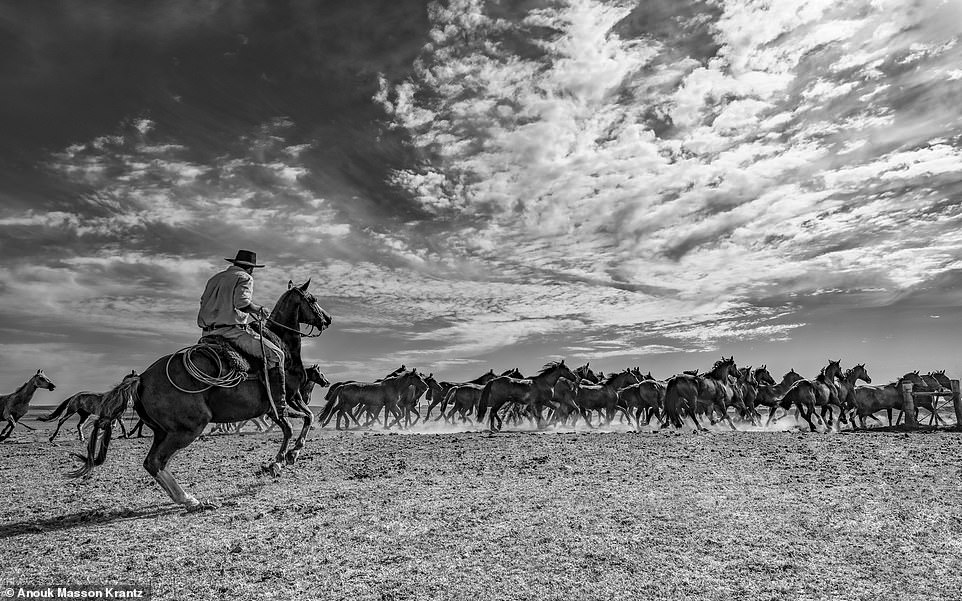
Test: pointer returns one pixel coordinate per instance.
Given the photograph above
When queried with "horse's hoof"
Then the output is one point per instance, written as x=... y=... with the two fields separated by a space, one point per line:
x=291 y=457
x=202 y=506
x=273 y=468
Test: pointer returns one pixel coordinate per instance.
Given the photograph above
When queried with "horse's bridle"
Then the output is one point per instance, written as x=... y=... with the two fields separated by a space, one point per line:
x=320 y=330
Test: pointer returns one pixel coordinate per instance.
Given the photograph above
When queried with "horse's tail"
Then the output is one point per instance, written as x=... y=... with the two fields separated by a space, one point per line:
x=672 y=411
x=56 y=412
x=332 y=391
x=115 y=402
x=448 y=396
x=96 y=448
x=484 y=400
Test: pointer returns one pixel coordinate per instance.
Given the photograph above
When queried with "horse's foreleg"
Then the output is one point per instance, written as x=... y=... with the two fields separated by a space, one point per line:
x=5 y=433
x=724 y=413
x=298 y=403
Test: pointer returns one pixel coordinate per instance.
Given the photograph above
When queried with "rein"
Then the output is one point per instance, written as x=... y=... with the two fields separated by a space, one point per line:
x=297 y=331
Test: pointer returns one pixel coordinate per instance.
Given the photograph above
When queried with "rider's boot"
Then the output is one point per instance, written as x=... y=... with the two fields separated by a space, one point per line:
x=276 y=379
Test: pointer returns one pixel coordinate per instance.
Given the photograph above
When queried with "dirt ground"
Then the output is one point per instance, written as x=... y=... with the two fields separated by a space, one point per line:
x=575 y=515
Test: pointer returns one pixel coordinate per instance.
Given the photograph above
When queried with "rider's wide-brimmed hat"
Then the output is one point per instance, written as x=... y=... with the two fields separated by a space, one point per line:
x=245 y=258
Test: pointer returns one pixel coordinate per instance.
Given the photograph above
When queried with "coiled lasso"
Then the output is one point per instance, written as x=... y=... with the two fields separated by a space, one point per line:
x=224 y=378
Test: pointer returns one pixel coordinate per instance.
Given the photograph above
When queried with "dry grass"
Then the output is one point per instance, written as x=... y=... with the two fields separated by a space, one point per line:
x=744 y=515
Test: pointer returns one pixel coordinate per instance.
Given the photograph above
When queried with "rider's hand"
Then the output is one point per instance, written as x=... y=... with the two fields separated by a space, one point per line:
x=262 y=313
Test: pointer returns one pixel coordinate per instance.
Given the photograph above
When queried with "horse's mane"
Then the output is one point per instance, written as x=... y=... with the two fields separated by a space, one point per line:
x=610 y=378
x=550 y=365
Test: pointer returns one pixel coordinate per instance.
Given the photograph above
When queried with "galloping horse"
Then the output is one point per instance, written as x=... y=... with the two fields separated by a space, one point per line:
x=533 y=393
x=602 y=397
x=463 y=400
x=14 y=406
x=826 y=391
x=342 y=406
x=802 y=395
x=647 y=396
x=85 y=404
x=687 y=394
x=770 y=394
x=846 y=388
x=438 y=391
x=178 y=418
x=375 y=396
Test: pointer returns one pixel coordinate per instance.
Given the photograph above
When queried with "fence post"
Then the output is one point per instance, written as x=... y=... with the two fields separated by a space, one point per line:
x=908 y=406
x=956 y=403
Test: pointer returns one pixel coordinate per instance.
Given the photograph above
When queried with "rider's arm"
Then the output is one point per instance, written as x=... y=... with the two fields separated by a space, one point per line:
x=244 y=297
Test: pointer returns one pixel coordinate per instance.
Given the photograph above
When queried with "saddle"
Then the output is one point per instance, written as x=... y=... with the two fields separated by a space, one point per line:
x=234 y=358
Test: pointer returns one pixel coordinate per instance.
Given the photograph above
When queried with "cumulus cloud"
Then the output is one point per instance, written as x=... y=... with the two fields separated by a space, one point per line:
x=607 y=179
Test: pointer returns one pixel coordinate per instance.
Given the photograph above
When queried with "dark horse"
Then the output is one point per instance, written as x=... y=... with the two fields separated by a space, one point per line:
x=178 y=418
x=533 y=393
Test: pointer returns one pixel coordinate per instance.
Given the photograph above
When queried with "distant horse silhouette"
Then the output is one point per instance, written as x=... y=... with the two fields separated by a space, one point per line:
x=313 y=377
x=85 y=404
x=770 y=395
x=178 y=418
x=646 y=397
x=531 y=393
x=827 y=393
x=802 y=394
x=373 y=397
x=937 y=380
x=930 y=383
x=463 y=398
x=14 y=406
x=870 y=399
x=846 y=389
x=346 y=408
x=688 y=394
x=602 y=397
x=438 y=391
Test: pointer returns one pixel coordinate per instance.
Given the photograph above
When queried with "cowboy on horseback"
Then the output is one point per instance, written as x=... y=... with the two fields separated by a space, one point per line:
x=226 y=308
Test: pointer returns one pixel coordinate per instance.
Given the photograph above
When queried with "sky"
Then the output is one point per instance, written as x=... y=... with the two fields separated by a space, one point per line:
x=476 y=185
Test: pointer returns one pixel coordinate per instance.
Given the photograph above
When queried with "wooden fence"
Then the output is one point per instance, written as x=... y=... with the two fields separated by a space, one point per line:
x=908 y=403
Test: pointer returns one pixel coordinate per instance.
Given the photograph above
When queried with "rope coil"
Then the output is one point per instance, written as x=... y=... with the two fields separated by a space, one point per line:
x=224 y=379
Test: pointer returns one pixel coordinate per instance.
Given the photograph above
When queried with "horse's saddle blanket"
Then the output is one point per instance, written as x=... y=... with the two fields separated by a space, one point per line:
x=231 y=357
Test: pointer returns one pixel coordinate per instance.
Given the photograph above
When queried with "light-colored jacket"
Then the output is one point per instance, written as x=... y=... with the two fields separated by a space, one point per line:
x=225 y=295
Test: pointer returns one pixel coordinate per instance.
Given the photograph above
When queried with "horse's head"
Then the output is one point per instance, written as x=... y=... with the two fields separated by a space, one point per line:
x=412 y=378
x=943 y=380
x=40 y=380
x=514 y=372
x=860 y=374
x=763 y=376
x=302 y=306
x=791 y=377
x=833 y=369
x=397 y=371
x=314 y=374
x=724 y=367
x=913 y=377
x=434 y=389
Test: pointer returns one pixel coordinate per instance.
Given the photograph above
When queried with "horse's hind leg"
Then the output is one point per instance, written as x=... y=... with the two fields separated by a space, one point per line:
x=163 y=448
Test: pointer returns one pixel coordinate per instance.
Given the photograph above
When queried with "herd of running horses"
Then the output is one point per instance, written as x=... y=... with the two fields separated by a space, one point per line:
x=560 y=396
x=178 y=405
